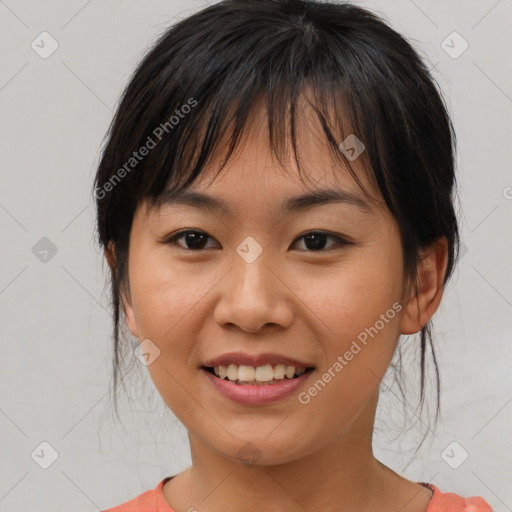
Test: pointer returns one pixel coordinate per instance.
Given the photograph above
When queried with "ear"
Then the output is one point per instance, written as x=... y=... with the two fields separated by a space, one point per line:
x=125 y=299
x=431 y=271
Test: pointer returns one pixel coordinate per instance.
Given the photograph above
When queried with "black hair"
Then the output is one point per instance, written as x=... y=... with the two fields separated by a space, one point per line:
x=204 y=74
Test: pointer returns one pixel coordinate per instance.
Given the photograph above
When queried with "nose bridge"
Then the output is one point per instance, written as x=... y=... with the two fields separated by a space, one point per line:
x=251 y=269
x=252 y=277
x=252 y=296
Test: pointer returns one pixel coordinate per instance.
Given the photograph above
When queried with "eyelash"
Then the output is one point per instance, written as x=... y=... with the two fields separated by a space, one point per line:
x=172 y=240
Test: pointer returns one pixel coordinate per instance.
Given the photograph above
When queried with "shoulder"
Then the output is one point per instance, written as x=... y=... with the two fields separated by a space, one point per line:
x=149 y=501
x=451 y=502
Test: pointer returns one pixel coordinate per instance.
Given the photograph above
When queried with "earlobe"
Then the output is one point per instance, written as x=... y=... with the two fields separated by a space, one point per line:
x=124 y=300
x=110 y=256
x=130 y=317
x=431 y=271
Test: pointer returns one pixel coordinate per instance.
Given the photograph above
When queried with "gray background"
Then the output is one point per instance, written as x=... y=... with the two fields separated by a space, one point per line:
x=55 y=320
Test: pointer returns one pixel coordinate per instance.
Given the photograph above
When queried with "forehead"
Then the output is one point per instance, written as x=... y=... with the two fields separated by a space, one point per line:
x=237 y=194
x=254 y=177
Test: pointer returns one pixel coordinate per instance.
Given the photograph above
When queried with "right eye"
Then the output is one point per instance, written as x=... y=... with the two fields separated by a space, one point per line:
x=194 y=238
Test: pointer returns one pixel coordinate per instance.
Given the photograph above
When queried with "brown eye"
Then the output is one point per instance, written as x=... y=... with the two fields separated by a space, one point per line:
x=194 y=240
x=315 y=241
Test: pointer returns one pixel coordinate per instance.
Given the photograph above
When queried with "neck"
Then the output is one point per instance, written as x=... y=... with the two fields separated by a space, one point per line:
x=339 y=473
x=342 y=471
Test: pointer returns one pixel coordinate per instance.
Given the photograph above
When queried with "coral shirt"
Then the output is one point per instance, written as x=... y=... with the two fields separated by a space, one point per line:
x=154 y=501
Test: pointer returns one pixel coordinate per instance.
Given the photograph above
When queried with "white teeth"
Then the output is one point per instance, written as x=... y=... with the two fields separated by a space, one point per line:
x=279 y=371
x=290 y=371
x=265 y=373
x=232 y=372
x=246 y=373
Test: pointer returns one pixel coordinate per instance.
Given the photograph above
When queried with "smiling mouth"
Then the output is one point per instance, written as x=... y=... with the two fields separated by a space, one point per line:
x=257 y=376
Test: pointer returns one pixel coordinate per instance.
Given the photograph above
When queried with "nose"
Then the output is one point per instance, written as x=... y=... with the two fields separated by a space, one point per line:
x=253 y=295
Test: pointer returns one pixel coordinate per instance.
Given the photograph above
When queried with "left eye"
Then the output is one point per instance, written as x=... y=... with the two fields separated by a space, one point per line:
x=315 y=240
x=195 y=239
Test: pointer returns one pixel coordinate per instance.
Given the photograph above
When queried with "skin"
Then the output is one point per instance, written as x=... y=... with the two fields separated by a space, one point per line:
x=292 y=300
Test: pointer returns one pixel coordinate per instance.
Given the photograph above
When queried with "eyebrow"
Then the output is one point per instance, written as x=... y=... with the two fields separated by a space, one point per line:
x=292 y=204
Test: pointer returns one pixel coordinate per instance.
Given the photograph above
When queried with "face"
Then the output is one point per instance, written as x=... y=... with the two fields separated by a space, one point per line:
x=257 y=286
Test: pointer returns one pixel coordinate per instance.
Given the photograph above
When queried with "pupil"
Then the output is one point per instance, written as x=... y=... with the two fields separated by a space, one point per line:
x=315 y=236
x=194 y=240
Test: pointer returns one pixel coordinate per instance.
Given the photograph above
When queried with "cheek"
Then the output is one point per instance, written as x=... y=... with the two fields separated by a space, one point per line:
x=167 y=308
x=353 y=295
x=161 y=301
x=164 y=294
x=359 y=312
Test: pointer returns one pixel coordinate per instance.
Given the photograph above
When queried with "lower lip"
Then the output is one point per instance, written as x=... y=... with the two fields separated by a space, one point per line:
x=248 y=394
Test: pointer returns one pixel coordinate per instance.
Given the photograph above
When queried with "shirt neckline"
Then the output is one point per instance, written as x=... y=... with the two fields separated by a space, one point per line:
x=435 y=494
x=162 y=506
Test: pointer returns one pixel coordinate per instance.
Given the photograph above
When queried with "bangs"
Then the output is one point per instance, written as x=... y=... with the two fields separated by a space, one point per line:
x=195 y=91
x=222 y=131
x=202 y=80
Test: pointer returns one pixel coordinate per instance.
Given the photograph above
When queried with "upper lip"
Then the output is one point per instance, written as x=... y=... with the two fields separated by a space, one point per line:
x=242 y=358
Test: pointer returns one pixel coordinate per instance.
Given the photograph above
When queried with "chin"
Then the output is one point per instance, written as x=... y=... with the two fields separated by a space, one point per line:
x=264 y=452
